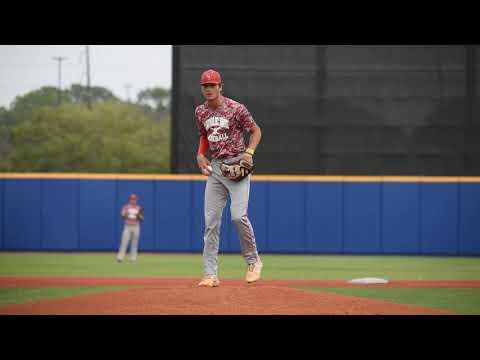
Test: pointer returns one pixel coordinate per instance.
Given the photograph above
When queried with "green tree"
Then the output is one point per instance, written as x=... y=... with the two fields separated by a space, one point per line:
x=23 y=105
x=6 y=121
x=157 y=98
x=79 y=94
x=112 y=137
x=5 y=146
x=6 y=117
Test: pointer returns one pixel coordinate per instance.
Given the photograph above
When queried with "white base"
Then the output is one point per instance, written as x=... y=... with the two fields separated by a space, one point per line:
x=368 y=280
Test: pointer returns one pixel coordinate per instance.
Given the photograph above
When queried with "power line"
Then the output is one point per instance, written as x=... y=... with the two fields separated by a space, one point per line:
x=80 y=57
x=81 y=77
x=59 y=59
x=127 y=88
x=80 y=63
x=89 y=97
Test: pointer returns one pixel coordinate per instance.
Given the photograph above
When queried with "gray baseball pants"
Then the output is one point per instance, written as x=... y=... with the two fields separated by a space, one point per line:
x=129 y=232
x=216 y=191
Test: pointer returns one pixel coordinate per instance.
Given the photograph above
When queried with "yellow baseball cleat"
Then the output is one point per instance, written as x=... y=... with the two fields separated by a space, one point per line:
x=209 y=281
x=254 y=271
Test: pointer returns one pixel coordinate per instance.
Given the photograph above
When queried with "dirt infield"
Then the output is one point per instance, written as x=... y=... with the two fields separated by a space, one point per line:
x=158 y=296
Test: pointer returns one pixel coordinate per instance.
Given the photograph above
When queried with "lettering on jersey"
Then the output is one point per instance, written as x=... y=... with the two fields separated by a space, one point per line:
x=216 y=123
x=132 y=213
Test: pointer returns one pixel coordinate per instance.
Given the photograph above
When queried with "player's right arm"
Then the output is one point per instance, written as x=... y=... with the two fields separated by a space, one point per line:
x=202 y=160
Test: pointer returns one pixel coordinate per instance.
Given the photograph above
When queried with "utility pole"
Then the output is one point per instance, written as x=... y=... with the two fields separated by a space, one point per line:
x=89 y=95
x=59 y=59
x=127 y=88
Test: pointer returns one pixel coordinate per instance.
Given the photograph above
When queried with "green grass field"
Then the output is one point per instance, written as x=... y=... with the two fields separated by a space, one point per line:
x=461 y=301
x=322 y=267
x=232 y=266
x=23 y=295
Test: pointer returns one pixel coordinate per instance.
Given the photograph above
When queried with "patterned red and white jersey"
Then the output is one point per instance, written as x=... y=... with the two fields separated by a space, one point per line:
x=130 y=213
x=224 y=127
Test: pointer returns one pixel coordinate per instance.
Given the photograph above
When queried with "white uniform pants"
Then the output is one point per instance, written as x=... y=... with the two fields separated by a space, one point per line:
x=130 y=232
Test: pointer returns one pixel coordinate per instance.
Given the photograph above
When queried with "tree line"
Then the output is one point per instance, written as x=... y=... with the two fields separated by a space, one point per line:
x=50 y=131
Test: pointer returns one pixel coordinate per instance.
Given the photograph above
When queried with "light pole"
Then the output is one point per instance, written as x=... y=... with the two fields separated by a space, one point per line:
x=127 y=88
x=89 y=98
x=59 y=59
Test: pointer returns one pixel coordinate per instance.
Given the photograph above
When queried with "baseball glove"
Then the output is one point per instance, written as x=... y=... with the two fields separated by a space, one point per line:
x=140 y=215
x=237 y=171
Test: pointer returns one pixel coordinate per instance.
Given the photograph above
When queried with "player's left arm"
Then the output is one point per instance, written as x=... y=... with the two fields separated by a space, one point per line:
x=249 y=125
x=255 y=137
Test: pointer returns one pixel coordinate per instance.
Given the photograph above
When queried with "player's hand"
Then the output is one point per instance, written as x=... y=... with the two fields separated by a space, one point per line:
x=248 y=158
x=204 y=165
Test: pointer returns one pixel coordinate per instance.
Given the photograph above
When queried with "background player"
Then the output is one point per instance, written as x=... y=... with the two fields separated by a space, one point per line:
x=221 y=123
x=132 y=214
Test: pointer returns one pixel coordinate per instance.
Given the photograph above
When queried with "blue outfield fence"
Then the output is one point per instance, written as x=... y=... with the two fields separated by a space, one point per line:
x=289 y=214
x=1 y=212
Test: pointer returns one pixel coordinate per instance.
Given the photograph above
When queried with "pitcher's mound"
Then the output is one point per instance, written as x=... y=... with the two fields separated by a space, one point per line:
x=228 y=299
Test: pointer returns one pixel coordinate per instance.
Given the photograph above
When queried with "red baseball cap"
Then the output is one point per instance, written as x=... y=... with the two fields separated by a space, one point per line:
x=210 y=77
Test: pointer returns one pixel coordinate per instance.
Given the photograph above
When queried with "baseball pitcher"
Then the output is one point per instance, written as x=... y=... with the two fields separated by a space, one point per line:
x=221 y=124
x=133 y=215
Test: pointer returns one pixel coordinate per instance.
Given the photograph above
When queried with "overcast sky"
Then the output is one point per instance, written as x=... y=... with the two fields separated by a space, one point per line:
x=28 y=67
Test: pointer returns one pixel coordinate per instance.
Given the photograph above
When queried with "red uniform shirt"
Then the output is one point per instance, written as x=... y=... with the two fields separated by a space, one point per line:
x=130 y=214
x=224 y=127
